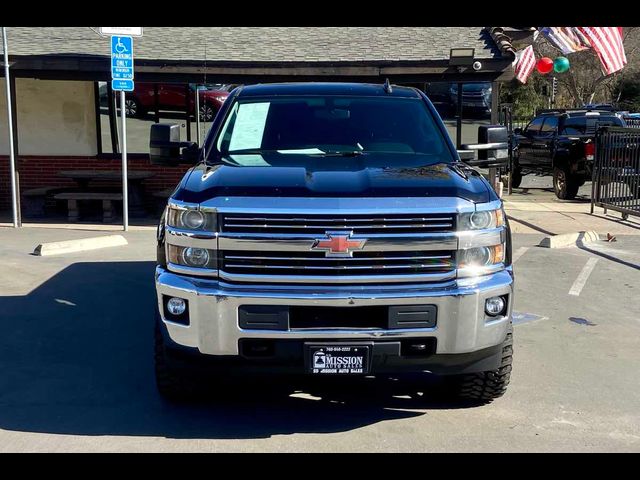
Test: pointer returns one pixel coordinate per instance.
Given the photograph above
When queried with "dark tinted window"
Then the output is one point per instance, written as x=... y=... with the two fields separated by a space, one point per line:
x=550 y=124
x=601 y=121
x=574 y=126
x=587 y=124
x=534 y=126
x=317 y=125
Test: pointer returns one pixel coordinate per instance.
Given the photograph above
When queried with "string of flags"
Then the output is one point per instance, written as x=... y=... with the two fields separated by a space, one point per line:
x=606 y=42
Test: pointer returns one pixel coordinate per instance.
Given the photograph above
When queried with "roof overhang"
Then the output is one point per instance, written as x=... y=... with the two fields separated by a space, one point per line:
x=98 y=68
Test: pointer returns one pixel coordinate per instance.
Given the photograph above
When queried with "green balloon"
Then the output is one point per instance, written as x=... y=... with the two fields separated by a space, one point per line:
x=561 y=64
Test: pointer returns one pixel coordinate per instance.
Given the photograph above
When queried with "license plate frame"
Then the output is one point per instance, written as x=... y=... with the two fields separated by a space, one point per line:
x=339 y=359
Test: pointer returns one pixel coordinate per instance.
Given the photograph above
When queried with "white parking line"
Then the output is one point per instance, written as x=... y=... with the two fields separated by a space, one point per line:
x=518 y=253
x=580 y=282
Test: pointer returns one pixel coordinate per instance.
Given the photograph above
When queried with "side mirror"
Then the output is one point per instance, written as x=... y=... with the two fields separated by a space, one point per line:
x=490 y=135
x=165 y=147
x=492 y=147
x=517 y=131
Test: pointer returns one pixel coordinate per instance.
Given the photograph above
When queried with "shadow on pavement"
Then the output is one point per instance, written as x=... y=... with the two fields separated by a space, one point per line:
x=631 y=222
x=76 y=358
x=530 y=225
x=585 y=247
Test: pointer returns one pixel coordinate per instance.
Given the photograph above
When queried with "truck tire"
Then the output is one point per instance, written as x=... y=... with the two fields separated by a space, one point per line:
x=171 y=381
x=484 y=387
x=565 y=184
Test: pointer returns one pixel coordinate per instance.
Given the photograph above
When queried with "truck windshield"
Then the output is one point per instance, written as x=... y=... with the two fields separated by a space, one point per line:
x=320 y=126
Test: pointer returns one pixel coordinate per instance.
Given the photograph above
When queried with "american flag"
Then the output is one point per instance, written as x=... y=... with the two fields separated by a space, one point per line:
x=607 y=43
x=567 y=39
x=526 y=60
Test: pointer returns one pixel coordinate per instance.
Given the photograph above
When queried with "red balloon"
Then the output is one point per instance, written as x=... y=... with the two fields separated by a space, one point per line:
x=545 y=65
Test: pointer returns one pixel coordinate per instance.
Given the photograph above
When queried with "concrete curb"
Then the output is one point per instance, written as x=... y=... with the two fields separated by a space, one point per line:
x=569 y=239
x=79 y=245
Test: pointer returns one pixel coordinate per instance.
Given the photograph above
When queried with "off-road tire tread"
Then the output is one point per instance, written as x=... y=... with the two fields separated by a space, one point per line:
x=571 y=188
x=171 y=383
x=484 y=387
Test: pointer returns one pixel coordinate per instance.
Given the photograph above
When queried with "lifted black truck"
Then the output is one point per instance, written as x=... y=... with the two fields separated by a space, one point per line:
x=560 y=143
x=331 y=229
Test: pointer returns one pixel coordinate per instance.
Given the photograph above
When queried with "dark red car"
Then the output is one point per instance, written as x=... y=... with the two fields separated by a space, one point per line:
x=172 y=97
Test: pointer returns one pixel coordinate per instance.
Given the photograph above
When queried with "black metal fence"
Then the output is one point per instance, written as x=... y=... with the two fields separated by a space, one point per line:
x=632 y=122
x=616 y=171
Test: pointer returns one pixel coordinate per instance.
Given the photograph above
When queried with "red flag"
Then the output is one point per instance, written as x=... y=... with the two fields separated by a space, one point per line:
x=607 y=42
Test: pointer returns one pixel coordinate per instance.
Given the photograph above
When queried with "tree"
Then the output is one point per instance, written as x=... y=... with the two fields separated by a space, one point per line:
x=628 y=92
x=526 y=98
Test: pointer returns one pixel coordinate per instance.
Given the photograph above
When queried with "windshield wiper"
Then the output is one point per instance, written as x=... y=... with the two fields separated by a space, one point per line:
x=248 y=151
x=347 y=153
x=330 y=153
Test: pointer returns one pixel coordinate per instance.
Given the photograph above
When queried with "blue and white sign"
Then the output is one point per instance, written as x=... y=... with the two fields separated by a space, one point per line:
x=126 y=85
x=122 y=62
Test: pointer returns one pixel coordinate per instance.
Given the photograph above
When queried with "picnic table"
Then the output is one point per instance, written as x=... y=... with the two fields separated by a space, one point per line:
x=135 y=188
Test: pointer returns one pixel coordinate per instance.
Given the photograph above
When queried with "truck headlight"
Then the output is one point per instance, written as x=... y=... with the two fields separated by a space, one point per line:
x=475 y=257
x=192 y=256
x=481 y=220
x=191 y=219
x=195 y=257
x=481 y=256
x=478 y=261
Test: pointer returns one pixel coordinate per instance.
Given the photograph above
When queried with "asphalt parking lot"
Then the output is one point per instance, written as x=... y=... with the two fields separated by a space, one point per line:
x=77 y=371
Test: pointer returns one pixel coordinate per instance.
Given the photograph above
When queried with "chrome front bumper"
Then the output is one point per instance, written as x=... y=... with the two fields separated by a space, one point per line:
x=462 y=325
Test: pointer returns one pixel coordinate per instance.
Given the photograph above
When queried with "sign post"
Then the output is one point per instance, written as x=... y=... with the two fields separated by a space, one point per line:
x=12 y=158
x=122 y=81
x=198 y=112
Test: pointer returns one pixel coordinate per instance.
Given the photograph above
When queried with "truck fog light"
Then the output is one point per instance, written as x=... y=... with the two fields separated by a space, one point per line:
x=176 y=306
x=494 y=306
x=195 y=257
x=192 y=219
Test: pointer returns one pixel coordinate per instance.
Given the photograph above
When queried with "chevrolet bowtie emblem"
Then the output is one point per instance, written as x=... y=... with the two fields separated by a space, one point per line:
x=338 y=244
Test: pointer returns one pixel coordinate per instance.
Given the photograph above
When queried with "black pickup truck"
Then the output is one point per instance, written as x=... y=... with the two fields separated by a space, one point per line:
x=330 y=229
x=561 y=143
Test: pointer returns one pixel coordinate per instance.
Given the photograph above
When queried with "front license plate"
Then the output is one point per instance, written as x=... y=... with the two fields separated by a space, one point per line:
x=338 y=359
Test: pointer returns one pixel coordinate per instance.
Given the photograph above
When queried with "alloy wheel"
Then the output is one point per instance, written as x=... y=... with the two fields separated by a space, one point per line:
x=206 y=113
x=561 y=181
x=130 y=107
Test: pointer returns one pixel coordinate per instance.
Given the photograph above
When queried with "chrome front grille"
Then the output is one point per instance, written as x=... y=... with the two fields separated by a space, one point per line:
x=319 y=224
x=315 y=267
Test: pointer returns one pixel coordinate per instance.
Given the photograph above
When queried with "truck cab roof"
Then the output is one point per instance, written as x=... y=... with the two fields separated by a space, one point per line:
x=577 y=112
x=326 y=88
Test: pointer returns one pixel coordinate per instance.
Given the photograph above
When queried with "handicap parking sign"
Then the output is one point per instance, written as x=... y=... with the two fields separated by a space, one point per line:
x=122 y=62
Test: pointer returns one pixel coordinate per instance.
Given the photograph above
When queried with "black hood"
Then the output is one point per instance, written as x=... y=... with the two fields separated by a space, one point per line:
x=337 y=177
